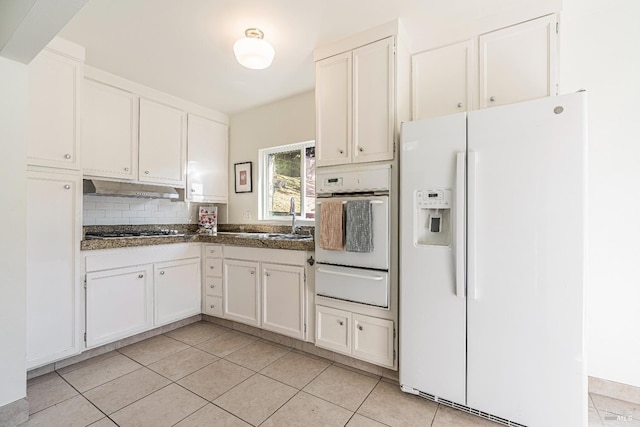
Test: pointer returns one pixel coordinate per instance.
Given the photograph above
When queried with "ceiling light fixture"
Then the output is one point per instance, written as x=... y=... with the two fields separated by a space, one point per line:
x=252 y=51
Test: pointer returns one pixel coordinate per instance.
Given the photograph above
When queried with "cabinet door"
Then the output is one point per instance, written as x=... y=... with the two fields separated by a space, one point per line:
x=207 y=161
x=52 y=126
x=53 y=290
x=162 y=149
x=241 y=292
x=333 y=110
x=109 y=132
x=443 y=80
x=333 y=329
x=373 y=339
x=518 y=63
x=118 y=304
x=373 y=101
x=176 y=290
x=283 y=299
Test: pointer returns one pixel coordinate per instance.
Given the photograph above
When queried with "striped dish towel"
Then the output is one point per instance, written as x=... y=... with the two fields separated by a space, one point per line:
x=331 y=225
x=359 y=235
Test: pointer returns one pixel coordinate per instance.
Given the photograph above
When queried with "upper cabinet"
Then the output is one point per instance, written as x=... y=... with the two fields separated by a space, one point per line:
x=162 y=147
x=443 y=80
x=509 y=65
x=55 y=78
x=207 y=160
x=518 y=63
x=109 y=132
x=359 y=97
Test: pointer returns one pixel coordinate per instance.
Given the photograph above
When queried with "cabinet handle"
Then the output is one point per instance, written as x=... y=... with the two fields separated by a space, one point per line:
x=193 y=190
x=492 y=99
x=211 y=267
x=341 y=151
x=360 y=328
x=360 y=149
x=67 y=156
x=67 y=187
x=146 y=172
x=459 y=104
x=140 y=276
x=340 y=322
x=267 y=274
x=252 y=272
x=212 y=306
x=126 y=169
x=162 y=273
x=212 y=286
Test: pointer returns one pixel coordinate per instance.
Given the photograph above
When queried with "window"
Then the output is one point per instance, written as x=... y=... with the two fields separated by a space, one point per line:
x=288 y=171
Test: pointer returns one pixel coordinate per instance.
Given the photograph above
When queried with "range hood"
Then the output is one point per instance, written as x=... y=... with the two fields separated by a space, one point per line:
x=128 y=189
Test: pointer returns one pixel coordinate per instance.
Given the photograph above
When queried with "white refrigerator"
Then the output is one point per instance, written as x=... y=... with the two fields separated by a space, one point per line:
x=492 y=260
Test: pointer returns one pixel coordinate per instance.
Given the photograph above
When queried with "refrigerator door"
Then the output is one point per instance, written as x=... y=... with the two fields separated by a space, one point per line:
x=526 y=243
x=432 y=303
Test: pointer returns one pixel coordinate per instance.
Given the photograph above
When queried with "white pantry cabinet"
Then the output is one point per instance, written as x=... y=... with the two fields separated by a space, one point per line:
x=118 y=303
x=53 y=288
x=176 y=290
x=162 y=147
x=109 y=132
x=53 y=126
x=242 y=291
x=207 y=160
x=363 y=337
x=355 y=105
x=283 y=299
x=518 y=63
x=509 y=65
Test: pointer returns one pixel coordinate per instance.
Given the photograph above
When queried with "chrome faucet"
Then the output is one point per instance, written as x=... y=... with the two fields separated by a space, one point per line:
x=292 y=212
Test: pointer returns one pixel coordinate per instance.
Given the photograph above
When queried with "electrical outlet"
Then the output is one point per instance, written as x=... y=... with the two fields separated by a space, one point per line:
x=247 y=214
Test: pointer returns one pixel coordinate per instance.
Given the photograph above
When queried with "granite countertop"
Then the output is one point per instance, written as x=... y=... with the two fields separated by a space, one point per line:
x=192 y=236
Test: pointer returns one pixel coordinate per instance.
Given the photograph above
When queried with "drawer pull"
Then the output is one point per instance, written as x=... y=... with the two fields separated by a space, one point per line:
x=212 y=306
x=212 y=286
x=212 y=267
x=340 y=322
x=267 y=274
x=162 y=273
x=360 y=328
x=140 y=276
x=67 y=156
x=253 y=272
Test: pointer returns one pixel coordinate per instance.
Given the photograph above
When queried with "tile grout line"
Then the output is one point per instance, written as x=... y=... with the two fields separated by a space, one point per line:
x=85 y=398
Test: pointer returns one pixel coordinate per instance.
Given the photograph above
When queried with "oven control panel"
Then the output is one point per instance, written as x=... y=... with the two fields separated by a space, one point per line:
x=354 y=180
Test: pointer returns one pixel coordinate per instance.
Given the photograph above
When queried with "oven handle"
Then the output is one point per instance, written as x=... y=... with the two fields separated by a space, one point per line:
x=373 y=202
x=357 y=276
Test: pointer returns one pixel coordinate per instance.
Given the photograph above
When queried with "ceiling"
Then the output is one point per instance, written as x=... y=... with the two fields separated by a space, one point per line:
x=184 y=47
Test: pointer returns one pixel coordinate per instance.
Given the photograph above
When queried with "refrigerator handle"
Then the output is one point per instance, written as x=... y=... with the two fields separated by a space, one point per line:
x=460 y=220
x=472 y=291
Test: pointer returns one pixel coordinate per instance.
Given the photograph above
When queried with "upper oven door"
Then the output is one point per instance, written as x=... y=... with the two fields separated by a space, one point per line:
x=378 y=258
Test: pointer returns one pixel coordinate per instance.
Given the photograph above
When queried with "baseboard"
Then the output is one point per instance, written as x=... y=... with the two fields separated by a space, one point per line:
x=615 y=390
x=97 y=351
x=14 y=413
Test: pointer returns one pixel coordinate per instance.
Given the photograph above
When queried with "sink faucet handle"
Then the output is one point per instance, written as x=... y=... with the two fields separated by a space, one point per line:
x=292 y=208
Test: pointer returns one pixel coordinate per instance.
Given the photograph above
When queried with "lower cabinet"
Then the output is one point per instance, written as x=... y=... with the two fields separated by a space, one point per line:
x=283 y=299
x=119 y=303
x=176 y=290
x=242 y=291
x=364 y=337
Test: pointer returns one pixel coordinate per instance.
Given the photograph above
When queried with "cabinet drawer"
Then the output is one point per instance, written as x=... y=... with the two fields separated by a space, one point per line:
x=213 y=267
x=213 y=251
x=333 y=329
x=213 y=305
x=213 y=286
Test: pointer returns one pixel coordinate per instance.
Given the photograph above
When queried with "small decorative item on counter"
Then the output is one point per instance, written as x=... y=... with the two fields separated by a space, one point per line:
x=208 y=219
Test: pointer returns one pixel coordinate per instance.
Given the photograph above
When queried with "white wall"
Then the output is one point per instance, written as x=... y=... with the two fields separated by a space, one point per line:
x=283 y=122
x=600 y=53
x=13 y=309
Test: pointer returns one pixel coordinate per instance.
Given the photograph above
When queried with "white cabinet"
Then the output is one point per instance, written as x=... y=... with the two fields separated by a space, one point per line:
x=242 y=291
x=355 y=105
x=118 y=303
x=109 y=132
x=212 y=280
x=509 y=65
x=207 y=160
x=55 y=80
x=283 y=299
x=363 y=337
x=53 y=290
x=176 y=290
x=518 y=63
x=444 y=80
x=162 y=149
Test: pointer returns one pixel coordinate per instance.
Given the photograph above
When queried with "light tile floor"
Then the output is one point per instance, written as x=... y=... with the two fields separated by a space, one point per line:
x=207 y=375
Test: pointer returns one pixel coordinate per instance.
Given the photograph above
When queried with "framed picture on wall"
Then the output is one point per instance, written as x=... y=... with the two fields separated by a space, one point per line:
x=243 y=177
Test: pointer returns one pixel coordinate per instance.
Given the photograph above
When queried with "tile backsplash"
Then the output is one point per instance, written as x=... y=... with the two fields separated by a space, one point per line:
x=104 y=210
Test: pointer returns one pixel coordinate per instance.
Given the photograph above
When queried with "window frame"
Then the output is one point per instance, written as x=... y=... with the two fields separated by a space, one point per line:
x=263 y=182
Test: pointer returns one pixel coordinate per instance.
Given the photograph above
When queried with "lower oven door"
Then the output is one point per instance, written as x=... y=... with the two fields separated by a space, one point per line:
x=353 y=284
x=379 y=257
